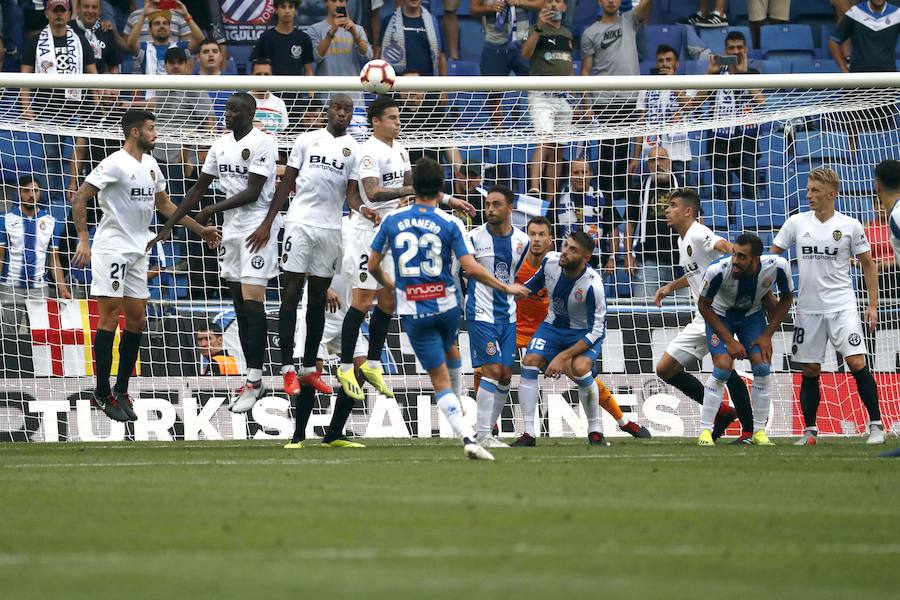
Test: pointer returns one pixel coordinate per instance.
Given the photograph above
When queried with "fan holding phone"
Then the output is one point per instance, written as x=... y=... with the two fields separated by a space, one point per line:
x=341 y=46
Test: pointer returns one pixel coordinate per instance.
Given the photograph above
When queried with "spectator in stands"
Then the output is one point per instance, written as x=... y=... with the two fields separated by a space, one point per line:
x=181 y=30
x=100 y=35
x=411 y=40
x=651 y=246
x=734 y=148
x=340 y=46
x=772 y=12
x=704 y=18
x=34 y=17
x=467 y=178
x=29 y=237
x=289 y=48
x=150 y=56
x=183 y=111
x=548 y=49
x=271 y=113
x=583 y=206
x=57 y=49
x=879 y=235
x=663 y=108
x=872 y=27
x=214 y=359
x=8 y=27
x=212 y=60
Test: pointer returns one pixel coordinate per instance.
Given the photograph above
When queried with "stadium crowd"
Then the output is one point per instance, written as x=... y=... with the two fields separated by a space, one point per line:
x=614 y=189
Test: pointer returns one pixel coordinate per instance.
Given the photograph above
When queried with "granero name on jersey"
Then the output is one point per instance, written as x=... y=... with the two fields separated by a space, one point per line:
x=423 y=223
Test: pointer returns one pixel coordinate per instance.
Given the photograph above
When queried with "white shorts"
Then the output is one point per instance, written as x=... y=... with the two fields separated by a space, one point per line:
x=690 y=343
x=779 y=10
x=357 y=248
x=331 y=340
x=119 y=275
x=311 y=250
x=550 y=113
x=811 y=332
x=238 y=264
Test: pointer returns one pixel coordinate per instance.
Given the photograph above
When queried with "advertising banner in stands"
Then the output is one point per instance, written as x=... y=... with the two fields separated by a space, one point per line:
x=245 y=21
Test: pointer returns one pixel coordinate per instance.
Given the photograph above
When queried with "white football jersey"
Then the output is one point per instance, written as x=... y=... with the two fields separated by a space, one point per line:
x=325 y=164
x=824 y=251
x=502 y=257
x=127 y=198
x=389 y=164
x=696 y=251
x=736 y=297
x=232 y=161
x=894 y=226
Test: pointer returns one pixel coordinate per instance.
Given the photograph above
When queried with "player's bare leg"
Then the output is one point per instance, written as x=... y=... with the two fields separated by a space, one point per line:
x=249 y=304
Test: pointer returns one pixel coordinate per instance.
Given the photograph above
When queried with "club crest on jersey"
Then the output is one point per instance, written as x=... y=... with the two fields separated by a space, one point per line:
x=153 y=175
x=115 y=285
x=714 y=340
x=579 y=295
x=284 y=258
x=363 y=277
x=837 y=234
x=854 y=339
x=346 y=152
x=491 y=349
x=257 y=262
x=501 y=271
x=245 y=153
x=690 y=251
x=42 y=225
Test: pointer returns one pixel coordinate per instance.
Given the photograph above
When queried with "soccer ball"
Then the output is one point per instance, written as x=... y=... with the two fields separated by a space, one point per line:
x=377 y=76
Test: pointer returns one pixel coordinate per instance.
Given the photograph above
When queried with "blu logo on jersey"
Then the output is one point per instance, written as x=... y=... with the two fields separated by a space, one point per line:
x=388 y=177
x=827 y=251
x=234 y=169
x=324 y=160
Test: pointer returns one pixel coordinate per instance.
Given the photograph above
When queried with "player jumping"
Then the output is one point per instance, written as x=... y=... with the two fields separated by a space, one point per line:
x=731 y=304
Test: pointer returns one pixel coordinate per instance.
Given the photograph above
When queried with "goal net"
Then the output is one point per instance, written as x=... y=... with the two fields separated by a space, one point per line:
x=599 y=154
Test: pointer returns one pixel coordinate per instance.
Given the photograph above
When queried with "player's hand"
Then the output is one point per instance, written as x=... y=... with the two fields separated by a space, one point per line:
x=634 y=166
x=660 y=294
x=630 y=266
x=610 y=266
x=212 y=236
x=741 y=65
x=62 y=290
x=518 y=290
x=82 y=256
x=462 y=206
x=736 y=349
x=162 y=236
x=372 y=215
x=713 y=67
x=765 y=347
x=555 y=368
x=544 y=17
x=499 y=6
x=259 y=238
x=332 y=303
x=203 y=216
x=872 y=317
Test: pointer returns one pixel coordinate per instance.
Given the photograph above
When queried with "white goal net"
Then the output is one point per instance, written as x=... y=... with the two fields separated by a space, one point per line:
x=599 y=155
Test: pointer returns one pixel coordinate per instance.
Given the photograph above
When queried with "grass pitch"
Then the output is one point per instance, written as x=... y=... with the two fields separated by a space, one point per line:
x=657 y=519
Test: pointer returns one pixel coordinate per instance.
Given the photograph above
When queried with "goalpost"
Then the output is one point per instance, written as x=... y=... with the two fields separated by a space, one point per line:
x=568 y=137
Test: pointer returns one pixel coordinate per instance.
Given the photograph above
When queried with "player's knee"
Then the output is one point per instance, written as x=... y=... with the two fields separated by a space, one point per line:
x=721 y=374
x=812 y=370
x=505 y=376
x=856 y=362
x=762 y=370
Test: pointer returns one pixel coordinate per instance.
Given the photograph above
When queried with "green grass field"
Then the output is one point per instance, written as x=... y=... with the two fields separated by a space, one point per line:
x=658 y=519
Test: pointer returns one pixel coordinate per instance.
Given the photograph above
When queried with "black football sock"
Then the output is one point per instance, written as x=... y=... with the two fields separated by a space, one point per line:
x=315 y=326
x=740 y=397
x=287 y=325
x=378 y=331
x=689 y=385
x=129 y=347
x=868 y=392
x=103 y=344
x=304 y=409
x=810 y=396
x=350 y=333
x=342 y=409
x=255 y=315
x=241 y=316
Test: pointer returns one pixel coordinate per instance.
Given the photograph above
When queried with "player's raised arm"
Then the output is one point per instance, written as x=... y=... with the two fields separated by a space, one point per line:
x=82 y=255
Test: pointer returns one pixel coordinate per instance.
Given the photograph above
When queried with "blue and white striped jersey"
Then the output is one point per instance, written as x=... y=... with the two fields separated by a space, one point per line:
x=894 y=225
x=736 y=297
x=574 y=303
x=28 y=241
x=502 y=256
x=423 y=240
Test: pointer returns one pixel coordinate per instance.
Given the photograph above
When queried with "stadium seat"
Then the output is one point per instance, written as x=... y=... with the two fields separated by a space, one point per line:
x=457 y=68
x=585 y=13
x=471 y=39
x=465 y=8
x=715 y=214
x=714 y=37
x=787 y=42
x=767 y=67
x=241 y=57
x=654 y=35
x=737 y=12
x=695 y=67
x=810 y=8
x=814 y=66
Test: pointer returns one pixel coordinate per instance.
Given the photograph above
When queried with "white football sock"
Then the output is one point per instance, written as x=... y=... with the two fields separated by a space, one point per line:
x=587 y=395
x=452 y=409
x=254 y=375
x=529 y=397
x=760 y=400
x=485 y=400
x=287 y=369
x=713 y=393
x=501 y=396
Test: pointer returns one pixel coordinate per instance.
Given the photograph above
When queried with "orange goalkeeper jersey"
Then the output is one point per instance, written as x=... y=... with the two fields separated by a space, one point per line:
x=531 y=310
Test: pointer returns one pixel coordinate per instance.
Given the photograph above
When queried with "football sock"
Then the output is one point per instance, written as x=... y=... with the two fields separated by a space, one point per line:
x=810 y=396
x=501 y=396
x=255 y=315
x=129 y=347
x=485 y=400
x=529 y=397
x=349 y=334
x=304 y=409
x=762 y=396
x=740 y=397
x=103 y=344
x=242 y=328
x=608 y=402
x=587 y=395
x=476 y=380
x=452 y=409
x=378 y=330
x=868 y=393
x=287 y=326
x=315 y=326
x=689 y=385
x=342 y=409
x=454 y=366
x=713 y=393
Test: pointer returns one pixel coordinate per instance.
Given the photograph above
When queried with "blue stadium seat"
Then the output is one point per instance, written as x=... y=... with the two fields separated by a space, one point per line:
x=695 y=67
x=654 y=35
x=714 y=38
x=825 y=32
x=465 y=8
x=814 y=66
x=737 y=12
x=457 y=68
x=810 y=8
x=585 y=13
x=471 y=39
x=767 y=67
x=241 y=57
x=787 y=42
x=715 y=214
